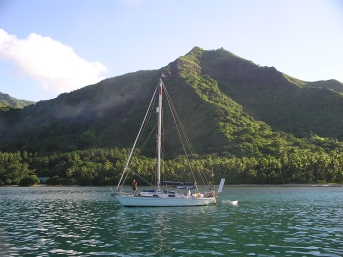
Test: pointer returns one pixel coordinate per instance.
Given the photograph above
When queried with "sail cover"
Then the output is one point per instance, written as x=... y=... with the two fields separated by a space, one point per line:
x=185 y=187
x=172 y=183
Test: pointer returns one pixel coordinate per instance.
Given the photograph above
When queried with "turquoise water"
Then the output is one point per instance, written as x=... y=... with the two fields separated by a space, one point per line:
x=86 y=221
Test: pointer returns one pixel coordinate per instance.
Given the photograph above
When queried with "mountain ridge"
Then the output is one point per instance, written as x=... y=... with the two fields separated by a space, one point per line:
x=231 y=106
x=7 y=101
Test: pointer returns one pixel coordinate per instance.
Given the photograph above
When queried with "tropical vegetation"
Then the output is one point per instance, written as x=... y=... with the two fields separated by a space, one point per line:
x=104 y=166
x=247 y=123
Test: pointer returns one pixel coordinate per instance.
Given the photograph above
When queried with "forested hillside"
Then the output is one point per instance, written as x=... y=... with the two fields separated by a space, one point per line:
x=253 y=124
x=6 y=102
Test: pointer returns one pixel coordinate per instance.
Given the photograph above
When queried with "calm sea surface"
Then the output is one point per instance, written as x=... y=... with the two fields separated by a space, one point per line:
x=87 y=221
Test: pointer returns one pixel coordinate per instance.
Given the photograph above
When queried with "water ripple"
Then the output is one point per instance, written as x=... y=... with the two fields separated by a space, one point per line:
x=86 y=221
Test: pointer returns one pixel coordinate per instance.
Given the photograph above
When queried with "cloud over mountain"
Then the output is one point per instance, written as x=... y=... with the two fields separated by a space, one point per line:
x=55 y=65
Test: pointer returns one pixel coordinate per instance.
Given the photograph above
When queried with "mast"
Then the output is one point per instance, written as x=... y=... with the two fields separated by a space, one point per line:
x=134 y=144
x=159 y=133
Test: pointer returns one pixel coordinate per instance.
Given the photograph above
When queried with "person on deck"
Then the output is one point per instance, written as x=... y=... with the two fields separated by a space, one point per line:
x=134 y=187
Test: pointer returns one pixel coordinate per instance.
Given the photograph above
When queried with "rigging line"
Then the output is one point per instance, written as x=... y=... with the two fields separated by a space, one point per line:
x=184 y=134
x=140 y=144
x=135 y=160
x=176 y=118
x=186 y=137
x=202 y=176
x=134 y=144
x=143 y=144
x=142 y=178
x=162 y=146
x=127 y=173
x=173 y=111
x=147 y=139
x=202 y=173
x=163 y=167
x=154 y=173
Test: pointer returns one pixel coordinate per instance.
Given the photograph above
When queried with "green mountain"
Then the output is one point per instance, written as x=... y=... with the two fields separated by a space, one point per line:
x=229 y=106
x=6 y=101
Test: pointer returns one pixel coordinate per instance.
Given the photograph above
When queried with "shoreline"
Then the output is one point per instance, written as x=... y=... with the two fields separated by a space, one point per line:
x=289 y=185
x=227 y=185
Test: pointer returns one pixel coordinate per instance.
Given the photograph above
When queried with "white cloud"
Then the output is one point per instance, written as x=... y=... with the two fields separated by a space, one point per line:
x=54 y=65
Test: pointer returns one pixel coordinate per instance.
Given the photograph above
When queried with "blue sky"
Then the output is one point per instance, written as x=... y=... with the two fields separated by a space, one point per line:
x=56 y=46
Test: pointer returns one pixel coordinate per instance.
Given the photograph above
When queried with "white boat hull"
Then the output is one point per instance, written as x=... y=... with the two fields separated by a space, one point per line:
x=141 y=201
x=230 y=202
x=160 y=197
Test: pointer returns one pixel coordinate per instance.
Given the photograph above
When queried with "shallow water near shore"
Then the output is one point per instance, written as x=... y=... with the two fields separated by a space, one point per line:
x=87 y=221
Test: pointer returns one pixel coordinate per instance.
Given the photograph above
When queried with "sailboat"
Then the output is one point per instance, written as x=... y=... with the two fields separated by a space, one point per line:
x=163 y=193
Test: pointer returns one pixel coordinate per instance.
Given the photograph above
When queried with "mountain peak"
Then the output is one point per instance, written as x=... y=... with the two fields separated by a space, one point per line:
x=229 y=103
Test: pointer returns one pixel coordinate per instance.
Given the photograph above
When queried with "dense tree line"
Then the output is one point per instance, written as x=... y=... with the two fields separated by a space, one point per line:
x=264 y=126
x=14 y=170
x=104 y=167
